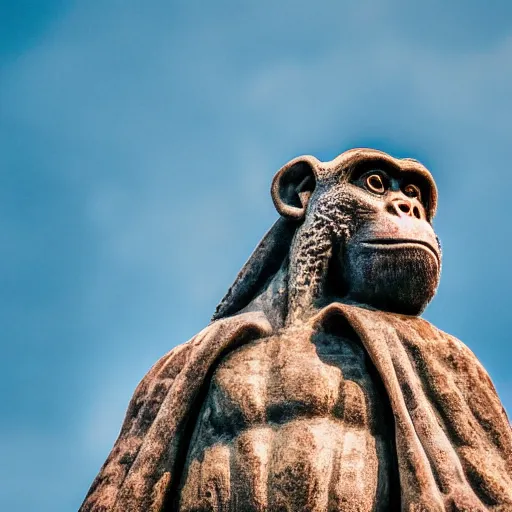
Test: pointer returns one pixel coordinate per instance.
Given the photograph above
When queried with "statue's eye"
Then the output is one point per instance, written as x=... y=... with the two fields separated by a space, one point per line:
x=375 y=183
x=412 y=191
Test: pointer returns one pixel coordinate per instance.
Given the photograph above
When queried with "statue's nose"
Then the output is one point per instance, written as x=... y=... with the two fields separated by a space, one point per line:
x=405 y=208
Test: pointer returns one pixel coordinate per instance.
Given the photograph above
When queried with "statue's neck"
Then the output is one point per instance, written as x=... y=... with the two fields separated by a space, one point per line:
x=310 y=256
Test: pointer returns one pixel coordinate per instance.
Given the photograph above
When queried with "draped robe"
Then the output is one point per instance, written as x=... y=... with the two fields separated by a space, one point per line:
x=452 y=435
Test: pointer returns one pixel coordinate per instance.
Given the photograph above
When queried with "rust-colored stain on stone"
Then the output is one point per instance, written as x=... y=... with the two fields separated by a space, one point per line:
x=317 y=386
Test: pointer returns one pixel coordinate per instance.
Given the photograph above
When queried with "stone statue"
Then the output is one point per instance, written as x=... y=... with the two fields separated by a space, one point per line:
x=317 y=386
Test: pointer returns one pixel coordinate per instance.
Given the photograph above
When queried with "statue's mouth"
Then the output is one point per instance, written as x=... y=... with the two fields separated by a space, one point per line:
x=404 y=243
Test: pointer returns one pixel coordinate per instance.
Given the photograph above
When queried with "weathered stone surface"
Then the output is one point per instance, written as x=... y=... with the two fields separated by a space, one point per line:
x=312 y=390
x=297 y=413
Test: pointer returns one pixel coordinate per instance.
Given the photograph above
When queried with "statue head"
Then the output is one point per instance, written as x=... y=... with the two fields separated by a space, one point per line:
x=355 y=229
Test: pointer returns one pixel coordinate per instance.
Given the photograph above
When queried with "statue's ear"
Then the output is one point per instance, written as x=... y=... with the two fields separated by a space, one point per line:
x=293 y=185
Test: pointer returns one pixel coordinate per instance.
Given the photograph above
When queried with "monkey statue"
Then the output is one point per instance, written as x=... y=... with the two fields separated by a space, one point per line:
x=317 y=386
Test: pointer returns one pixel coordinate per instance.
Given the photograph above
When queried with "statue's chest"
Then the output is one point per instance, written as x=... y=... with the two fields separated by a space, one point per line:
x=292 y=422
x=296 y=373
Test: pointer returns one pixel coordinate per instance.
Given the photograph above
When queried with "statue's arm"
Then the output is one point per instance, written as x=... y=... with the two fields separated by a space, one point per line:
x=480 y=426
x=142 y=410
x=485 y=403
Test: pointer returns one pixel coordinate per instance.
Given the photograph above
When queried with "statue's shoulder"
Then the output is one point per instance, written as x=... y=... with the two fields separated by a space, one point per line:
x=436 y=350
x=428 y=347
x=450 y=345
x=217 y=334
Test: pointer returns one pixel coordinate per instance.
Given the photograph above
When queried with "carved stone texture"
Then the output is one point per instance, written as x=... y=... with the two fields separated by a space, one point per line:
x=317 y=386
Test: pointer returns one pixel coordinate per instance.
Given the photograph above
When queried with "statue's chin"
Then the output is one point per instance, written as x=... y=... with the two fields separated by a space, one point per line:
x=397 y=279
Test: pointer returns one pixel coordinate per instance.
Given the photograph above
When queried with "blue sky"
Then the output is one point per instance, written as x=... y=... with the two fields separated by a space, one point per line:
x=137 y=145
